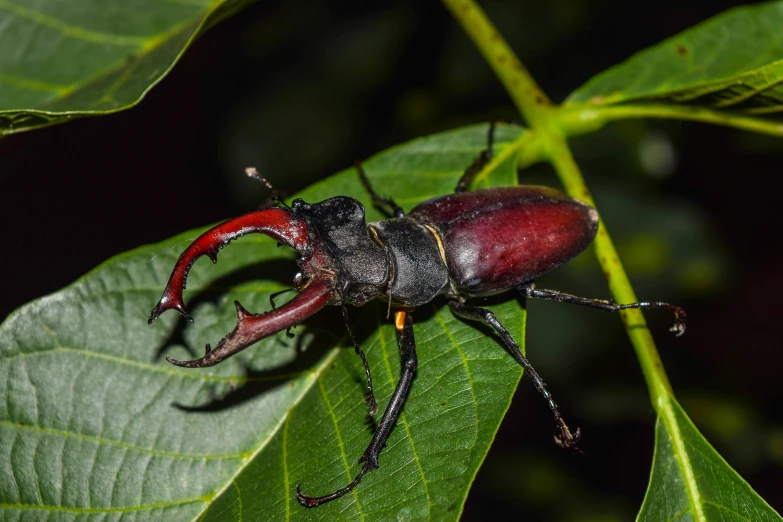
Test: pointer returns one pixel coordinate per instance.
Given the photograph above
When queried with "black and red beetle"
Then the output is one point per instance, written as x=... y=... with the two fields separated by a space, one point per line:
x=463 y=245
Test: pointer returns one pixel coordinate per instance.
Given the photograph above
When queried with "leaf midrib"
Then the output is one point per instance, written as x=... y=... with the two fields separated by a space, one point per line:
x=118 y=443
x=666 y=412
x=130 y=509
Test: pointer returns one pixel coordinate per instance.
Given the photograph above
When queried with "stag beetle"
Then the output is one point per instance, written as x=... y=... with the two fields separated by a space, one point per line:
x=463 y=245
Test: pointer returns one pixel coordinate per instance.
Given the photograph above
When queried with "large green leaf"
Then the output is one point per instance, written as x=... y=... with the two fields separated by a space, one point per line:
x=732 y=61
x=95 y=425
x=62 y=60
x=690 y=481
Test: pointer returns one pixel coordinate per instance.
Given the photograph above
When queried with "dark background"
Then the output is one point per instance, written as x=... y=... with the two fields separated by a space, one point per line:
x=302 y=89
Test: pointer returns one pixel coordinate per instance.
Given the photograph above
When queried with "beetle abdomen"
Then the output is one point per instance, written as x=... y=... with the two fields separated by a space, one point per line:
x=495 y=239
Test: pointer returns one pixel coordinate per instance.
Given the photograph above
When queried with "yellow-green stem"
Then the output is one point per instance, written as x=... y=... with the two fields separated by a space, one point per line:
x=578 y=119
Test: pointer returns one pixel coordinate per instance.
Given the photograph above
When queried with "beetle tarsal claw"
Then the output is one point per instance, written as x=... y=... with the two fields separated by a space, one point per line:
x=372 y=404
x=566 y=439
x=679 y=326
x=304 y=499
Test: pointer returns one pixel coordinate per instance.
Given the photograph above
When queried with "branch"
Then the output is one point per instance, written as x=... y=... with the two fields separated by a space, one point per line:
x=578 y=119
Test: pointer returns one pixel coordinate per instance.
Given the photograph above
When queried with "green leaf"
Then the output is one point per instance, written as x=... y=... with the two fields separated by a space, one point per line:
x=732 y=61
x=93 y=421
x=691 y=481
x=64 y=60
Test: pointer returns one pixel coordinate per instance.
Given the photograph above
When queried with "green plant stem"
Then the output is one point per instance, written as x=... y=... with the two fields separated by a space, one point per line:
x=579 y=119
x=531 y=101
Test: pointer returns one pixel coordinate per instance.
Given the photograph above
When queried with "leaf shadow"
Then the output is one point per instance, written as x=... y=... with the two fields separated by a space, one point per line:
x=311 y=345
x=257 y=382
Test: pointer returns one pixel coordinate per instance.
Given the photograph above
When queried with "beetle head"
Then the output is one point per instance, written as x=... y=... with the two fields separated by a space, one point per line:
x=339 y=263
x=342 y=243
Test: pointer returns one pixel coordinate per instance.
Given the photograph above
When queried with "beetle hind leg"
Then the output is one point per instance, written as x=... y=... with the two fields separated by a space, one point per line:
x=529 y=290
x=566 y=438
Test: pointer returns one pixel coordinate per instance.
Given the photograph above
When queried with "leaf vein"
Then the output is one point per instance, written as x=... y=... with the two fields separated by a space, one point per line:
x=467 y=369
x=343 y=453
x=108 y=442
x=79 y=510
x=73 y=31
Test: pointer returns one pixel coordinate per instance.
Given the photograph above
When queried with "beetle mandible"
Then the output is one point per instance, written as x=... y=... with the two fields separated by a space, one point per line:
x=463 y=245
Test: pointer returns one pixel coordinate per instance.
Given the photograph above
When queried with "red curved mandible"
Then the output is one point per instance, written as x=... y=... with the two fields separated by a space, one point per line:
x=278 y=223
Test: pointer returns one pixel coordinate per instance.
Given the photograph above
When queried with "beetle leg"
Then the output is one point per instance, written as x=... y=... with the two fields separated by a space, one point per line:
x=372 y=404
x=408 y=363
x=251 y=328
x=272 y=302
x=386 y=205
x=566 y=439
x=281 y=292
x=478 y=164
x=678 y=328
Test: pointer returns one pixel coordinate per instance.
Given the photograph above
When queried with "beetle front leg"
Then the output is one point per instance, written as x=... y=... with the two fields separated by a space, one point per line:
x=474 y=313
x=678 y=328
x=408 y=364
x=372 y=404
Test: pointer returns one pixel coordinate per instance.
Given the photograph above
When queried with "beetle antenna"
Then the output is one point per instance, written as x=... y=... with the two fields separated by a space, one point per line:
x=678 y=328
x=372 y=404
x=276 y=196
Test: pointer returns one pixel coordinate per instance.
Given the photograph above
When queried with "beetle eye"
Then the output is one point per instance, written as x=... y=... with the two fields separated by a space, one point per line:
x=298 y=280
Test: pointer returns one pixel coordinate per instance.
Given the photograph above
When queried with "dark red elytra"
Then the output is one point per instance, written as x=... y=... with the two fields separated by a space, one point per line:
x=459 y=246
x=496 y=239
